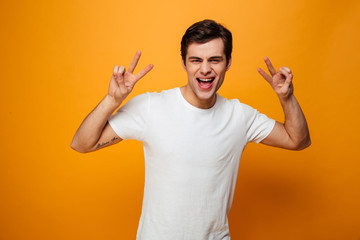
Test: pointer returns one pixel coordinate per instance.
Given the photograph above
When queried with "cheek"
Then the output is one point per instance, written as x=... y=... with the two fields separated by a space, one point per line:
x=220 y=68
x=191 y=71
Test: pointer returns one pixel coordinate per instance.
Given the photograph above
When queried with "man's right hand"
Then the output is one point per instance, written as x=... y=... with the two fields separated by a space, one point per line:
x=95 y=132
x=122 y=82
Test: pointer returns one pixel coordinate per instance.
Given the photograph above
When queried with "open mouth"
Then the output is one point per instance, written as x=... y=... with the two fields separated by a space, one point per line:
x=205 y=83
x=205 y=80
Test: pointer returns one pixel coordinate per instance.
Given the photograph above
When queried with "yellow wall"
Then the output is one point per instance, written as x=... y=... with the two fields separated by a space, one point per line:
x=56 y=62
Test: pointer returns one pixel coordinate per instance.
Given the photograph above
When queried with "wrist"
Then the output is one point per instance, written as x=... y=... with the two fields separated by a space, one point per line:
x=112 y=102
x=287 y=98
x=288 y=102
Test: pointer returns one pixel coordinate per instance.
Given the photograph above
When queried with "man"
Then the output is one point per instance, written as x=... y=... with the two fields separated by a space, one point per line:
x=193 y=138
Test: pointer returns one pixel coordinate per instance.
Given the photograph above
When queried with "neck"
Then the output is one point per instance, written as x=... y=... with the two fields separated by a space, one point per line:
x=191 y=98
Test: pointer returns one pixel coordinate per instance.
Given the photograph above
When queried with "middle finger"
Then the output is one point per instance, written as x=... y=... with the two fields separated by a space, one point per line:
x=134 y=62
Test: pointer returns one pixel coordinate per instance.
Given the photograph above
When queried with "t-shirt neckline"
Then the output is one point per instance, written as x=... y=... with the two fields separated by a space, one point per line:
x=192 y=107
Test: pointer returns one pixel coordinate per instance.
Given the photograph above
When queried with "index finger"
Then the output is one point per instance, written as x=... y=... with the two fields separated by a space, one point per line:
x=265 y=75
x=270 y=66
x=143 y=72
x=134 y=62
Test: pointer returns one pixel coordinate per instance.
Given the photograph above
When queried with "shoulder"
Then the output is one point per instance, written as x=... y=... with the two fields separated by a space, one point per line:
x=153 y=96
x=140 y=99
x=164 y=95
x=236 y=109
x=235 y=104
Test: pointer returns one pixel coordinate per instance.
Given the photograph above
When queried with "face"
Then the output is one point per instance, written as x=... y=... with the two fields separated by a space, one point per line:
x=206 y=67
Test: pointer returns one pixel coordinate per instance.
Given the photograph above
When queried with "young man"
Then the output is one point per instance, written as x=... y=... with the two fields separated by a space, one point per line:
x=193 y=138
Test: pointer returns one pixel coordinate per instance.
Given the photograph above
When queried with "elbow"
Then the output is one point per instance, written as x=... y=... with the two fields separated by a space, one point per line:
x=78 y=148
x=301 y=145
x=308 y=143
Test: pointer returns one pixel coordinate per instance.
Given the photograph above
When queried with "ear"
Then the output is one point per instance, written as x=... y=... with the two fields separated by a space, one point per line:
x=183 y=64
x=229 y=64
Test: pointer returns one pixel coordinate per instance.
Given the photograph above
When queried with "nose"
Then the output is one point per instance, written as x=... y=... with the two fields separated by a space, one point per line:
x=205 y=68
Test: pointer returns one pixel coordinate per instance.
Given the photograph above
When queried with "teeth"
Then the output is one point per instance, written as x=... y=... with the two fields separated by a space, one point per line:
x=205 y=79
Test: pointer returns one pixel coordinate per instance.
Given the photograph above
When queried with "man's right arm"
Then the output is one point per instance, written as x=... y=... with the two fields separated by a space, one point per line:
x=95 y=132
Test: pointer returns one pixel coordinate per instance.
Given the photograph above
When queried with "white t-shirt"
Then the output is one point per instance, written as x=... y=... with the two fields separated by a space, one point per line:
x=192 y=157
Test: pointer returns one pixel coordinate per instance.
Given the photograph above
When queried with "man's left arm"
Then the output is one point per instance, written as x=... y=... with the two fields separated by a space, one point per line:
x=293 y=133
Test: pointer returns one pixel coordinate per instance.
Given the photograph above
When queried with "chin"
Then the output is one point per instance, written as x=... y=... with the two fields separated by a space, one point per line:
x=206 y=96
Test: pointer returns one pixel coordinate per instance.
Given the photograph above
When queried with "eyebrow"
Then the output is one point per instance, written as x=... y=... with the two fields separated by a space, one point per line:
x=194 y=57
x=213 y=57
x=217 y=57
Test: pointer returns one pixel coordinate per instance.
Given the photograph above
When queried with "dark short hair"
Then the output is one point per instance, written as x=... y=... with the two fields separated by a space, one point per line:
x=204 y=31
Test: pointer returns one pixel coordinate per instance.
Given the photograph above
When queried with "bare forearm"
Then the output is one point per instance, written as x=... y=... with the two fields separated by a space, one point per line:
x=295 y=123
x=91 y=128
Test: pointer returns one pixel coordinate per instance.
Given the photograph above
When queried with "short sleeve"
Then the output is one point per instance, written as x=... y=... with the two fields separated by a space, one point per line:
x=259 y=125
x=129 y=121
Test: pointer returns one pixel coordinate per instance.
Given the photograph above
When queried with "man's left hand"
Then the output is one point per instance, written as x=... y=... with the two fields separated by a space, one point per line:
x=280 y=81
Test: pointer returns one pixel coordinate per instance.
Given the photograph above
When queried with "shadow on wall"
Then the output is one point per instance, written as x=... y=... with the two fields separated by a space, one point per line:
x=266 y=198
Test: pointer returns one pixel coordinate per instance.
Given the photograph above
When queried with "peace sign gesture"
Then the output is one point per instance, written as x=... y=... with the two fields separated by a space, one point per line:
x=122 y=82
x=280 y=81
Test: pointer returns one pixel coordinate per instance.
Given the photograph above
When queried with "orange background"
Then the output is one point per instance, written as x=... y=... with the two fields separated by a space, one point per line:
x=56 y=62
